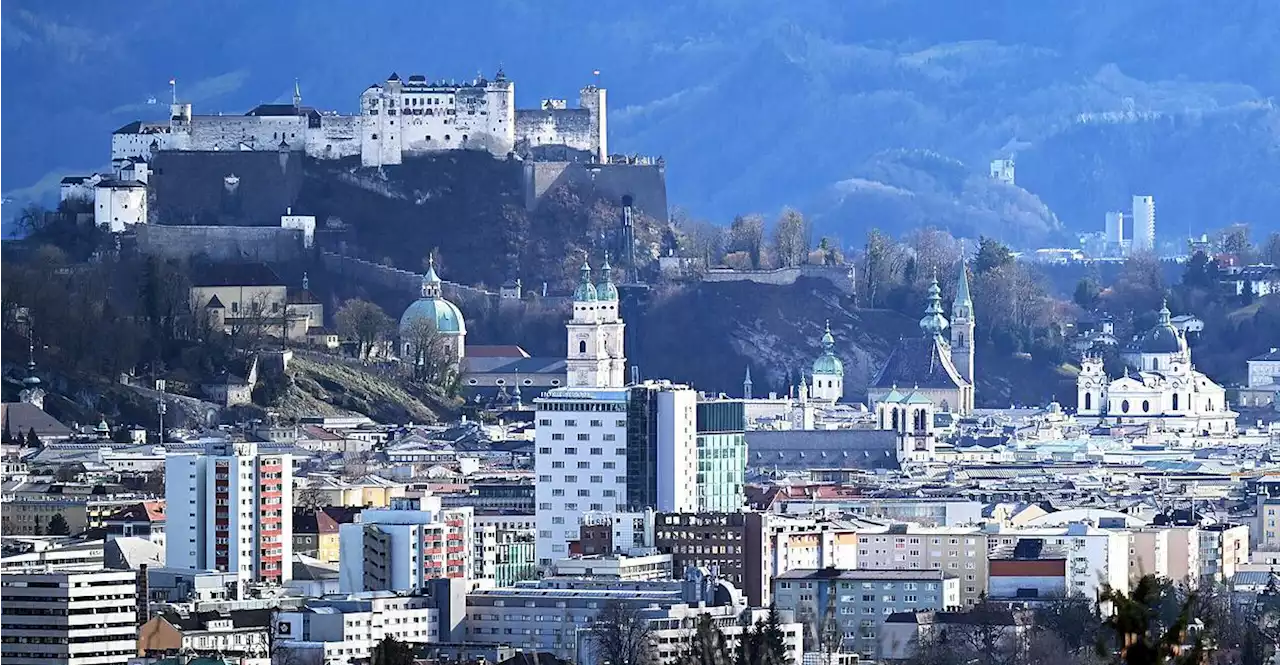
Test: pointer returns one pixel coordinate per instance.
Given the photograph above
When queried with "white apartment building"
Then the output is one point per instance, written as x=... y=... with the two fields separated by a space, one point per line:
x=230 y=509
x=1096 y=557
x=580 y=459
x=404 y=546
x=609 y=450
x=87 y=617
x=339 y=631
x=1144 y=224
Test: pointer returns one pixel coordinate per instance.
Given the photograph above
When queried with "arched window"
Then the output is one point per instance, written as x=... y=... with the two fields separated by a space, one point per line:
x=1088 y=401
x=582 y=347
x=895 y=419
x=1146 y=406
x=1124 y=406
x=1175 y=401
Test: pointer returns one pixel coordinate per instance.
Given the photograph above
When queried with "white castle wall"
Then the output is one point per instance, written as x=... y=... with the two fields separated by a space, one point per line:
x=396 y=118
x=228 y=132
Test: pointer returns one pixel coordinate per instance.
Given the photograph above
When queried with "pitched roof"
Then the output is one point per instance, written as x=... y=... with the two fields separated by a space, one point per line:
x=134 y=127
x=235 y=274
x=920 y=362
x=1272 y=355
x=495 y=351
x=143 y=511
x=23 y=417
x=196 y=621
x=302 y=297
x=215 y=303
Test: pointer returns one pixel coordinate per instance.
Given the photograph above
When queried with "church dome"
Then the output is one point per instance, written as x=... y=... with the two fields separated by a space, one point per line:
x=586 y=292
x=934 y=323
x=605 y=290
x=827 y=363
x=1162 y=337
x=433 y=307
x=446 y=315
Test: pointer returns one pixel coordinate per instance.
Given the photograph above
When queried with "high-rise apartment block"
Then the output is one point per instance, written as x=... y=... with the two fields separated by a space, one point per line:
x=1144 y=223
x=404 y=546
x=71 y=617
x=653 y=445
x=230 y=508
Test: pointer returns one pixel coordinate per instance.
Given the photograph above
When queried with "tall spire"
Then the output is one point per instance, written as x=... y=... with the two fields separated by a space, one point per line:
x=31 y=380
x=297 y=95
x=962 y=288
x=933 y=322
x=746 y=384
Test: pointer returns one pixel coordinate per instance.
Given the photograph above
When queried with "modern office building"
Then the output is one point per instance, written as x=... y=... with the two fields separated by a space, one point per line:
x=83 y=617
x=722 y=455
x=403 y=547
x=336 y=631
x=614 y=451
x=230 y=508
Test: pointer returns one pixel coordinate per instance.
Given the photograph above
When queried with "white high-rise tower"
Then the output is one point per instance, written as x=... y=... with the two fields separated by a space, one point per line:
x=1144 y=223
x=595 y=358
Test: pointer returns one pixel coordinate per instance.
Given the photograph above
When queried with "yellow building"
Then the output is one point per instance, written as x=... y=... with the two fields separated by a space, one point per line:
x=28 y=513
x=315 y=531
x=251 y=295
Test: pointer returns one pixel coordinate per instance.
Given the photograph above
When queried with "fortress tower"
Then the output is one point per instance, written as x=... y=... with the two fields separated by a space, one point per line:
x=593 y=100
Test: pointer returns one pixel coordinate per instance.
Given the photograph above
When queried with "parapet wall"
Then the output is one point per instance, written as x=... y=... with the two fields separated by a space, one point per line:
x=644 y=185
x=396 y=279
x=839 y=276
x=221 y=243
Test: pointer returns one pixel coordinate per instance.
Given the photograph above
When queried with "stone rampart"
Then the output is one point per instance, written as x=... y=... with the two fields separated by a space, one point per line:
x=221 y=243
x=839 y=276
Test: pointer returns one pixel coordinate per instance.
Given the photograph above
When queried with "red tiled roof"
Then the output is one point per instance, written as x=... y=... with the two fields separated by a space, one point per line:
x=143 y=511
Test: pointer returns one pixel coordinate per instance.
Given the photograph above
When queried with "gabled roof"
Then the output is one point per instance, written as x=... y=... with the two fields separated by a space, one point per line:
x=22 y=417
x=235 y=274
x=302 y=297
x=196 y=621
x=214 y=303
x=1273 y=355
x=922 y=362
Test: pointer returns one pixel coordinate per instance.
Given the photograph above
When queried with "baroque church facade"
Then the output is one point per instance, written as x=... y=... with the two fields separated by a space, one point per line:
x=1163 y=388
x=937 y=366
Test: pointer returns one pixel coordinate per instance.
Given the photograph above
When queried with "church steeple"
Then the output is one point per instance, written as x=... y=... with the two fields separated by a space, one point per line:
x=606 y=290
x=962 y=326
x=431 y=280
x=746 y=384
x=933 y=322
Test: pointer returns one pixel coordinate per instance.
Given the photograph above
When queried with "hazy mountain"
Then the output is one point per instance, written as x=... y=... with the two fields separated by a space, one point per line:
x=755 y=105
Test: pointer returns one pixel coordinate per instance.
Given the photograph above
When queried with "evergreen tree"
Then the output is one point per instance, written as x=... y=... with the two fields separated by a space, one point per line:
x=391 y=651
x=1139 y=635
x=33 y=441
x=707 y=646
x=7 y=435
x=58 y=525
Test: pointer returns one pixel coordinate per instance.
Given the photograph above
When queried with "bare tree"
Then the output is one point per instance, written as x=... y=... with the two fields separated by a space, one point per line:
x=747 y=235
x=362 y=321
x=258 y=318
x=622 y=636
x=791 y=239
x=435 y=358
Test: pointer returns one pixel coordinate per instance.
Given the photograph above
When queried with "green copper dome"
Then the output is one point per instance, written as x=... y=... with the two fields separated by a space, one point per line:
x=605 y=290
x=827 y=363
x=585 y=291
x=933 y=322
x=432 y=306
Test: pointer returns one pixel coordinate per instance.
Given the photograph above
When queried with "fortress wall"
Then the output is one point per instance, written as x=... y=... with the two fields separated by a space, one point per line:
x=338 y=137
x=645 y=184
x=566 y=127
x=840 y=276
x=189 y=186
x=227 y=132
x=396 y=279
x=221 y=243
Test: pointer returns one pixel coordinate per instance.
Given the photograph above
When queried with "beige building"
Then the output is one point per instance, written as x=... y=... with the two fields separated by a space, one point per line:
x=1223 y=549
x=252 y=298
x=960 y=552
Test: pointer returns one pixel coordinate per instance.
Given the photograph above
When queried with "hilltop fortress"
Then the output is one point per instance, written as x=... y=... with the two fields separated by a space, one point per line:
x=397 y=118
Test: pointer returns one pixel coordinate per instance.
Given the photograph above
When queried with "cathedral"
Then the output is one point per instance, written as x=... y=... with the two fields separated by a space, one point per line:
x=1163 y=388
x=595 y=358
x=933 y=366
x=432 y=307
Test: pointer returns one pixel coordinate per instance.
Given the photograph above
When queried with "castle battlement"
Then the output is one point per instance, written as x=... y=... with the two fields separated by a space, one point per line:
x=396 y=117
